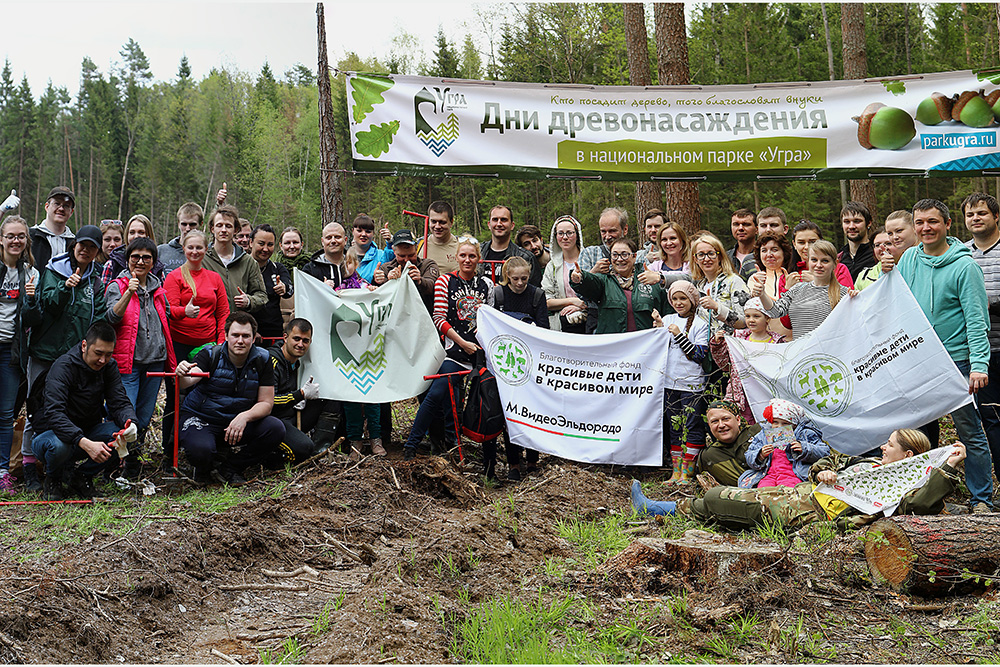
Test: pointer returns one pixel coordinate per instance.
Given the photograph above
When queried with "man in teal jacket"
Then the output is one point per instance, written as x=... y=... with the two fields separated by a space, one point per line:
x=949 y=286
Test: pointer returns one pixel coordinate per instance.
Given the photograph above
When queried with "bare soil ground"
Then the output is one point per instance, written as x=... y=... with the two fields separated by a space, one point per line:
x=390 y=557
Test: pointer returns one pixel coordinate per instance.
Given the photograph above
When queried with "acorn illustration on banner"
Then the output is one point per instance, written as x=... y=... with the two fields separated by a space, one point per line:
x=888 y=128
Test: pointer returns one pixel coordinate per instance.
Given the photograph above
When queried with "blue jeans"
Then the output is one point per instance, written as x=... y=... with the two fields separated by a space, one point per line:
x=10 y=380
x=988 y=400
x=978 y=463
x=435 y=402
x=142 y=391
x=57 y=454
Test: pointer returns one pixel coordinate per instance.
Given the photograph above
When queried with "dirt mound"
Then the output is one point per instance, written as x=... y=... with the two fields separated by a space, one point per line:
x=380 y=560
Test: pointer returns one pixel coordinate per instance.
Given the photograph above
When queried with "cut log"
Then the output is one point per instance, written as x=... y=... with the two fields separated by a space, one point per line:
x=698 y=557
x=935 y=555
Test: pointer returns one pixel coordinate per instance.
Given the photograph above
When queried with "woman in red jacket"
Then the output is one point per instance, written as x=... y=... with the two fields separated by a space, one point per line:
x=137 y=307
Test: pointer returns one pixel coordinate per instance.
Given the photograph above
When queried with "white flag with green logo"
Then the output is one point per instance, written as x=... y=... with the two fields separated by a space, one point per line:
x=594 y=399
x=367 y=346
x=875 y=365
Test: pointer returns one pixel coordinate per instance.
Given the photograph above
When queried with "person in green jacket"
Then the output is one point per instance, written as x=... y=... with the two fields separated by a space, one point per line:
x=793 y=507
x=69 y=298
x=624 y=301
x=724 y=460
x=239 y=271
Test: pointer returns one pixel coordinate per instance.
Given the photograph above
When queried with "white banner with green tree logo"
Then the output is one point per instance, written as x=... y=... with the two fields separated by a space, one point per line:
x=941 y=124
x=875 y=365
x=367 y=346
x=594 y=399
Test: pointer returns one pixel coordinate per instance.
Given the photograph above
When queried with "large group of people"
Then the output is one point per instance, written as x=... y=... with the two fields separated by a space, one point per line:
x=90 y=321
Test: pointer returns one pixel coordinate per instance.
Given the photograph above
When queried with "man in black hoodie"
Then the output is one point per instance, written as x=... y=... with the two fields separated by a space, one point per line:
x=67 y=413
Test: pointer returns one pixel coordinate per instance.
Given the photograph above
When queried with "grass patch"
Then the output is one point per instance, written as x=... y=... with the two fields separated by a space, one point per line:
x=289 y=653
x=597 y=540
x=508 y=631
x=47 y=525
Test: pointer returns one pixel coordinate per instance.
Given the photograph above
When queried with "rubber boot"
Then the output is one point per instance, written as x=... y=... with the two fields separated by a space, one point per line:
x=31 y=481
x=687 y=469
x=644 y=505
x=678 y=459
x=325 y=432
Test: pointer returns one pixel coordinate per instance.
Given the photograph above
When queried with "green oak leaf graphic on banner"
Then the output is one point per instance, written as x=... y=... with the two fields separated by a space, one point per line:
x=377 y=140
x=895 y=87
x=367 y=92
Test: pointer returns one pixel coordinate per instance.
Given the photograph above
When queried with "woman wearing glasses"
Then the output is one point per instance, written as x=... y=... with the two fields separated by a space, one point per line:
x=567 y=311
x=138 y=226
x=457 y=297
x=624 y=303
x=18 y=280
x=138 y=309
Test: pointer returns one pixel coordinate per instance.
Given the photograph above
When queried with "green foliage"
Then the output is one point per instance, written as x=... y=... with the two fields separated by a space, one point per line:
x=508 y=631
x=596 y=540
x=367 y=92
x=289 y=653
x=376 y=141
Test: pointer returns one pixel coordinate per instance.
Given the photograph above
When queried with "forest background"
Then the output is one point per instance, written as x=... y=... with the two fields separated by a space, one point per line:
x=130 y=144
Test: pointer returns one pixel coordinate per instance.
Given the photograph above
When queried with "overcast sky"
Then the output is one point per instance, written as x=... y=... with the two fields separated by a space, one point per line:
x=48 y=40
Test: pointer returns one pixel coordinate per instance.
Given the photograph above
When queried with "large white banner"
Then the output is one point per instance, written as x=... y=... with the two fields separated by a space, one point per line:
x=594 y=399
x=827 y=129
x=875 y=365
x=367 y=346
x=880 y=488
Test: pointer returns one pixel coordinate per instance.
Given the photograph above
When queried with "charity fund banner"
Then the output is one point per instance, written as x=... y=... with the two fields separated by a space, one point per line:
x=593 y=399
x=878 y=488
x=939 y=124
x=367 y=346
x=873 y=366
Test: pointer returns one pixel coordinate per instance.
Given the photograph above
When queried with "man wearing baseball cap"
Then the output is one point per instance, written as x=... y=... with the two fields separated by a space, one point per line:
x=51 y=236
x=69 y=299
x=423 y=272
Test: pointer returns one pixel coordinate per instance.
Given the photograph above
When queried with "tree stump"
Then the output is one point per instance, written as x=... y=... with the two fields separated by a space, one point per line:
x=935 y=555
x=698 y=556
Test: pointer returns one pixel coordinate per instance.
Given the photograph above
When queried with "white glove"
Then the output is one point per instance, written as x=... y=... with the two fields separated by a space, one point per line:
x=310 y=390
x=11 y=202
x=131 y=433
x=300 y=406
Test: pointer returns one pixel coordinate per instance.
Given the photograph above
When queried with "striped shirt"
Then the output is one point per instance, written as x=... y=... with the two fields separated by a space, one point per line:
x=989 y=261
x=807 y=305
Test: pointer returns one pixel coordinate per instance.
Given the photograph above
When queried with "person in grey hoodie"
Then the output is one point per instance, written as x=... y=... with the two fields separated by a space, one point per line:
x=51 y=236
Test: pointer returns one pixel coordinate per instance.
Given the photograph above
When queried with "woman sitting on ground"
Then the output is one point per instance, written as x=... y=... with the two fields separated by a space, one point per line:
x=794 y=507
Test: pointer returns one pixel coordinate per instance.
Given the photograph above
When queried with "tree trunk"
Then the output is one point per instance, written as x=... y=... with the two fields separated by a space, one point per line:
x=833 y=75
x=965 y=34
x=121 y=193
x=852 y=25
x=648 y=564
x=672 y=69
x=331 y=196
x=647 y=195
x=935 y=555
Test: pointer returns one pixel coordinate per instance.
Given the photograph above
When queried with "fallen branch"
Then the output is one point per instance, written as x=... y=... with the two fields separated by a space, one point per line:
x=532 y=488
x=270 y=634
x=342 y=547
x=304 y=569
x=265 y=587
x=332 y=448
x=219 y=654
x=393 y=471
